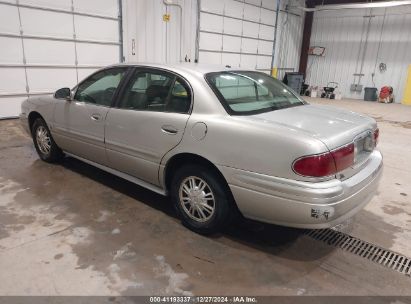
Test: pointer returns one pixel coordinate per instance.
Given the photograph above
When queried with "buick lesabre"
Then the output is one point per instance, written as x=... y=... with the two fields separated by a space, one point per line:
x=218 y=140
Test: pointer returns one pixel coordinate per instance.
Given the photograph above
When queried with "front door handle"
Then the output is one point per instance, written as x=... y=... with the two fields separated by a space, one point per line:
x=95 y=117
x=169 y=129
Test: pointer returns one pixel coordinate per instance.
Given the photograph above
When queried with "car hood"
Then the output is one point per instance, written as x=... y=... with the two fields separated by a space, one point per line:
x=333 y=126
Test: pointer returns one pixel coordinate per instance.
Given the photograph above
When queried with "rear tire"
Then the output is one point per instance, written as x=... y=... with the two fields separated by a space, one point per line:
x=44 y=143
x=201 y=199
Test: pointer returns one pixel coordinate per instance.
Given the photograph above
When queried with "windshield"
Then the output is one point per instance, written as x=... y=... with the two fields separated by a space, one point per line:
x=248 y=92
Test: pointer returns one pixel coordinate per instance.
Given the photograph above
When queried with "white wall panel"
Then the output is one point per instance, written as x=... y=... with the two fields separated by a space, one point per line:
x=249 y=45
x=211 y=23
x=9 y=19
x=101 y=7
x=252 y=29
x=12 y=80
x=211 y=58
x=266 y=32
x=233 y=26
x=214 y=6
x=89 y=28
x=43 y=41
x=267 y=17
x=255 y=2
x=343 y=34
x=258 y=20
x=49 y=52
x=248 y=61
x=45 y=80
x=11 y=50
x=95 y=54
x=232 y=44
x=212 y=42
x=233 y=8
x=265 y=47
x=232 y=60
x=251 y=12
x=271 y=4
x=43 y=23
x=56 y=4
x=10 y=106
x=263 y=62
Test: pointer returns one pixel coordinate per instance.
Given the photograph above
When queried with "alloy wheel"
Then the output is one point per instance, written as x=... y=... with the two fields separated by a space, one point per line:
x=43 y=140
x=197 y=199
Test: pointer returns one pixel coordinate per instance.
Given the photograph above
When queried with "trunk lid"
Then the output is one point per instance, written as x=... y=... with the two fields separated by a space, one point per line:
x=334 y=127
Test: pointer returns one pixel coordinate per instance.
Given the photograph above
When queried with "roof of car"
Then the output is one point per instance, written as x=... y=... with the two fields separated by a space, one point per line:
x=186 y=67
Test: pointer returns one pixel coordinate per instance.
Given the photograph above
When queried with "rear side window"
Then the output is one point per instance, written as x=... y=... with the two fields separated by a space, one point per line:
x=248 y=92
x=156 y=91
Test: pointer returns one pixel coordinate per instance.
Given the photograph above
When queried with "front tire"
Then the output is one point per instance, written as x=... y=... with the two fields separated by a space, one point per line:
x=202 y=199
x=44 y=143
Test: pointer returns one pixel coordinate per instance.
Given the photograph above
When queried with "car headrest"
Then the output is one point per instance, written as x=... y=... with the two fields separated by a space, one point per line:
x=154 y=91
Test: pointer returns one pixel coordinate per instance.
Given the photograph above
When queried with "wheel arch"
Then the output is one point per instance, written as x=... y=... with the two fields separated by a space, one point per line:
x=32 y=118
x=229 y=212
x=182 y=159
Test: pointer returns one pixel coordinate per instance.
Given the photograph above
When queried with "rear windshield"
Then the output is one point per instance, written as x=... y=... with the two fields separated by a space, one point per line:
x=248 y=92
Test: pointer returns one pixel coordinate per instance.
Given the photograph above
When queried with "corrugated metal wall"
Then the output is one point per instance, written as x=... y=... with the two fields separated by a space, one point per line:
x=344 y=35
x=148 y=38
x=289 y=37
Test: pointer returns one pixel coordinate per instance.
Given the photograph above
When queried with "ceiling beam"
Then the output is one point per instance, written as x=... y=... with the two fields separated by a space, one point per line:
x=326 y=2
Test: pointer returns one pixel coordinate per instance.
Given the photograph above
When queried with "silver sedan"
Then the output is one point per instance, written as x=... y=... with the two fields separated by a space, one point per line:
x=219 y=141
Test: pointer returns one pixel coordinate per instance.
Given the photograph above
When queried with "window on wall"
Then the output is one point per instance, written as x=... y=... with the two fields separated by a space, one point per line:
x=157 y=91
x=99 y=88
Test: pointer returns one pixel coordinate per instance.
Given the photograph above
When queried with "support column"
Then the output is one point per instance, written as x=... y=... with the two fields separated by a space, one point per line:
x=308 y=24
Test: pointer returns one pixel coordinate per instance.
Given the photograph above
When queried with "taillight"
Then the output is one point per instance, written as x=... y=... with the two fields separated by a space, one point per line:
x=325 y=164
x=343 y=157
x=315 y=165
x=376 y=136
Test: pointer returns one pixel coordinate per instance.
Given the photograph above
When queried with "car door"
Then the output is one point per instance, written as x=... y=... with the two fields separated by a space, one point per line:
x=79 y=124
x=149 y=121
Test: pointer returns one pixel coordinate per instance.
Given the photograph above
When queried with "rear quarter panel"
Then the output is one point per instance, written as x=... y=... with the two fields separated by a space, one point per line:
x=229 y=142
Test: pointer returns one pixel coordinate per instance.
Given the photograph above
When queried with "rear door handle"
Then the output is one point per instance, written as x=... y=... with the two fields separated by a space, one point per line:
x=169 y=129
x=95 y=117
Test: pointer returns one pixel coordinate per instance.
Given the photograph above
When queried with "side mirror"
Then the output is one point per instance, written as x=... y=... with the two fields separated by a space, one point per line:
x=64 y=93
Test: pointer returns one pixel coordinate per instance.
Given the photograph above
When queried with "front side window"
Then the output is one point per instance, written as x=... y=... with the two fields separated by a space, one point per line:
x=248 y=92
x=100 y=88
x=156 y=91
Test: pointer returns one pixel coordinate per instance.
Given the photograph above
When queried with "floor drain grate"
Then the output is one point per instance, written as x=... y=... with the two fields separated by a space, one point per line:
x=363 y=249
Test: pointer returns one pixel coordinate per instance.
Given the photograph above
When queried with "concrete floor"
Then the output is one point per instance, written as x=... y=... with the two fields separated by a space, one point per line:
x=71 y=229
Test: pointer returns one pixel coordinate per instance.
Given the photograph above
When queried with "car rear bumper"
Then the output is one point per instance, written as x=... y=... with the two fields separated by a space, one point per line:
x=303 y=204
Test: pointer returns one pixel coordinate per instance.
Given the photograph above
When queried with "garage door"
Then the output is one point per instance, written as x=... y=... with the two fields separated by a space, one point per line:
x=237 y=33
x=48 y=44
